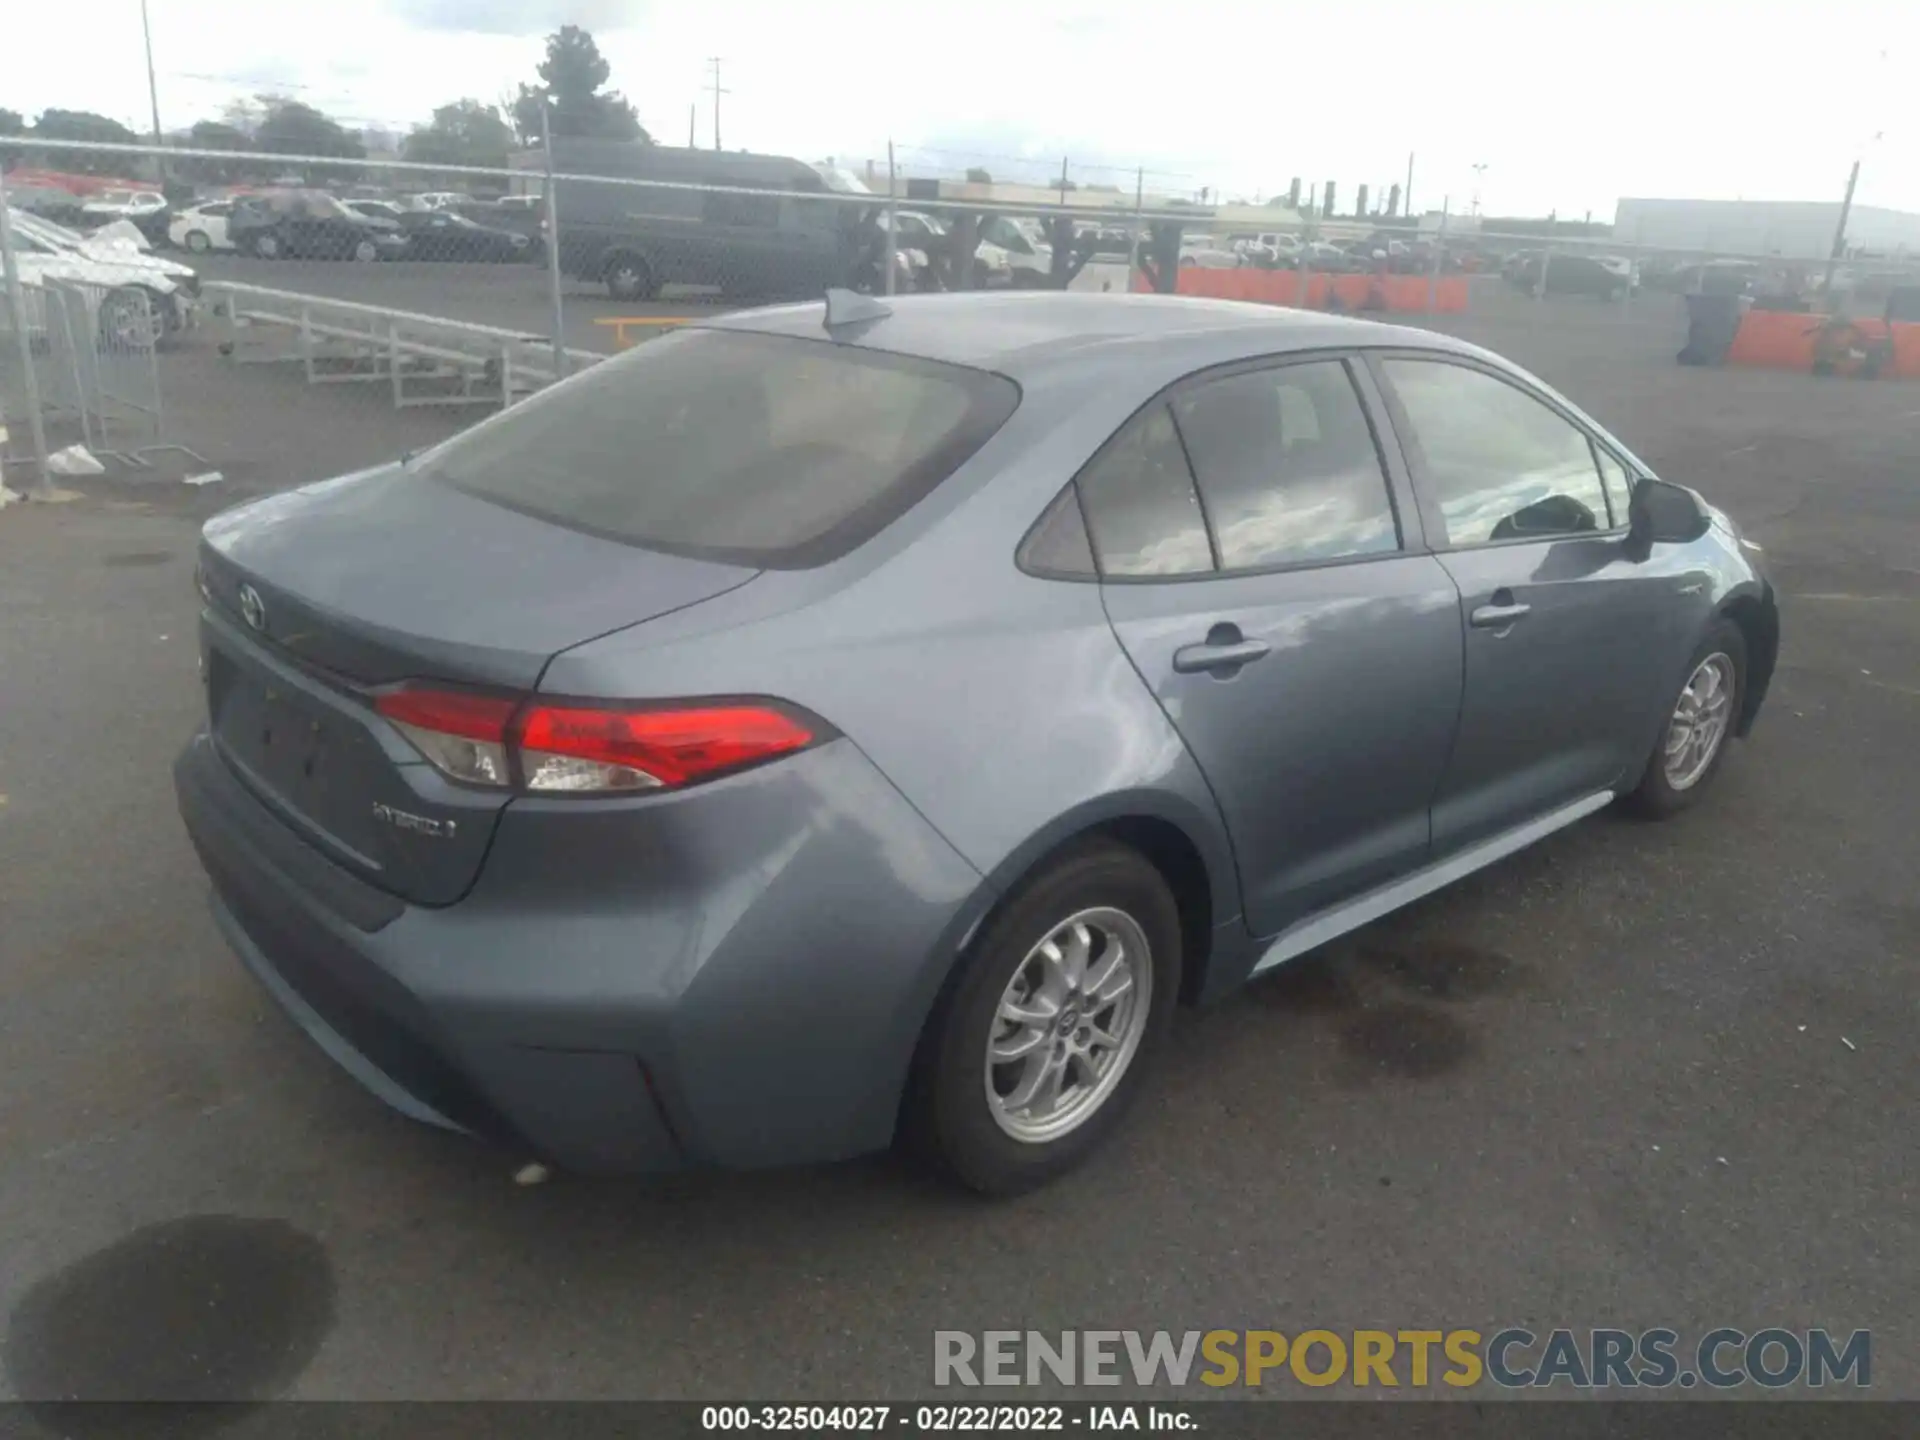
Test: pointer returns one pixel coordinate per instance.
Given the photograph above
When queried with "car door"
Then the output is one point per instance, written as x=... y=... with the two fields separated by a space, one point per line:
x=1569 y=639
x=1263 y=566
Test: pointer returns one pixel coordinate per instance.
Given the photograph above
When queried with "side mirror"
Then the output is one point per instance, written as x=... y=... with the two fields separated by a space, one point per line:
x=1663 y=513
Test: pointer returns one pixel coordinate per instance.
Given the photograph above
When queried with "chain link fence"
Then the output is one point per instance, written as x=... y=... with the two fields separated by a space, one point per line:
x=170 y=309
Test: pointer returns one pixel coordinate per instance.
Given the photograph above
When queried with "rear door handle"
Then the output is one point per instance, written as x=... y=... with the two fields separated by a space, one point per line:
x=1500 y=613
x=1219 y=653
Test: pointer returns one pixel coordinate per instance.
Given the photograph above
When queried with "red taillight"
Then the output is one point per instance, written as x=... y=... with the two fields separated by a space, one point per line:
x=463 y=734
x=587 y=748
x=451 y=712
x=569 y=747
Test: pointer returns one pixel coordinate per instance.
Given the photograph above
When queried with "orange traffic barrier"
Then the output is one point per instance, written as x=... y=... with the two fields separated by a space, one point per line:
x=1775 y=339
x=1362 y=292
x=620 y=324
x=1788 y=340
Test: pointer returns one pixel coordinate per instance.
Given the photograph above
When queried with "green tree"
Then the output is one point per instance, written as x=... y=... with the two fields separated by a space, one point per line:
x=12 y=122
x=571 y=78
x=977 y=176
x=466 y=132
x=218 y=135
x=294 y=128
x=84 y=126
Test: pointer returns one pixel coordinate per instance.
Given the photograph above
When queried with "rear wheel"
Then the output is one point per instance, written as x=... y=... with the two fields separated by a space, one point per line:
x=629 y=278
x=1046 y=1034
x=1699 y=727
x=365 y=251
x=198 y=242
x=267 y=245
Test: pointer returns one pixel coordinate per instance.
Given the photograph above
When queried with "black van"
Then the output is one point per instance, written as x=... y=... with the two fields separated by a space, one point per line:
x=639 y=238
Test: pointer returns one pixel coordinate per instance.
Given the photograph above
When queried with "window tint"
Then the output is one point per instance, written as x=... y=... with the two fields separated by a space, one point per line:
x=1140 y=503
x=758 y=449
x=1287 y=466
x=1058 y=544
x=1502 y=465
x=1616 y=482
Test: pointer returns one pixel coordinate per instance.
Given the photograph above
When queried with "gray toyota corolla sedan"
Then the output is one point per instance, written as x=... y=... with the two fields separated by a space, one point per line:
x=840 y=722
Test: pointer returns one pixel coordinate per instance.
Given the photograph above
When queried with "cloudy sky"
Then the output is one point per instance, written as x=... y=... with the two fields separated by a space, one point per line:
x=1567 y=106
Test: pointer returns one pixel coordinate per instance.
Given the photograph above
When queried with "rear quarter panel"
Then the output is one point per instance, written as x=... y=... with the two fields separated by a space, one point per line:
x=999 y=704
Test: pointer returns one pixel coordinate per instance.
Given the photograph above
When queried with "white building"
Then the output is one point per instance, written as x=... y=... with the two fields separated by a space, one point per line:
x=1795 y=229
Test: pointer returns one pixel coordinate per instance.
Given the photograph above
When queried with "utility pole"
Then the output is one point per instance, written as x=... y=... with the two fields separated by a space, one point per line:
x=1840 y=233
x=1846 y=207
x=718 y=90
x=1478 y=170
x=1409 y=182
x=1063 y=179
x=552 y=200
x=153 y=94
x=691 y=109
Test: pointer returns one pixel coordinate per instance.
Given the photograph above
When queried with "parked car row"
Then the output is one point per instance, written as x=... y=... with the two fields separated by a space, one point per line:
x=306 y=223
x=314 y=225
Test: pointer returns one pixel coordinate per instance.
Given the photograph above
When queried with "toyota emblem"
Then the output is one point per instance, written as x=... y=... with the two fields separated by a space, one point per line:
x=252 y=608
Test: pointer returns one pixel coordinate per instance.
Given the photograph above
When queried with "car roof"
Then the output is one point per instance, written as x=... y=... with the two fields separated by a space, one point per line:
x=1023 y=334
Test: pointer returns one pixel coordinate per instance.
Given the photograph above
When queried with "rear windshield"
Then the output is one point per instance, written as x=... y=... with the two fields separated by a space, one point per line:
x=754 y=449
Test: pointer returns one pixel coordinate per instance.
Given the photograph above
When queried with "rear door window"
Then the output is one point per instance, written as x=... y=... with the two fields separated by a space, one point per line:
x=764 y=450
x=1287 y=466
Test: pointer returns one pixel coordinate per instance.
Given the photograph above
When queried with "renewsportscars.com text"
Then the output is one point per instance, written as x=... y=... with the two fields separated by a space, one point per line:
x=1512 y=1358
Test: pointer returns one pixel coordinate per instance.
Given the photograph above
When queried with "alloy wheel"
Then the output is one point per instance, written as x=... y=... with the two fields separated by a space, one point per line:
x=1068 y=1025
x=1701 y=718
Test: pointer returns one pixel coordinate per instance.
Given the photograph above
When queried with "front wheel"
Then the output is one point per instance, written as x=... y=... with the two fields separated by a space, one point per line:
x=197 y=242
x=366 y=252
x=130 y=320
x=1701 y=722
x=267 y=247
x=1046 y=1033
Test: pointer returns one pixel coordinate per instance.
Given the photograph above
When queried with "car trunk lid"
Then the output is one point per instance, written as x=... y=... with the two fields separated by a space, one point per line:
x=321 y=597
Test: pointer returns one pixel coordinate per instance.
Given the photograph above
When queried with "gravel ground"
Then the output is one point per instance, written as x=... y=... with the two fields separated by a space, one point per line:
x=1639 y=1075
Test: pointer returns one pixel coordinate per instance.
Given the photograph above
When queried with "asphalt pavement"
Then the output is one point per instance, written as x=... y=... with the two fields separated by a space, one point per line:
x=1638 y=1075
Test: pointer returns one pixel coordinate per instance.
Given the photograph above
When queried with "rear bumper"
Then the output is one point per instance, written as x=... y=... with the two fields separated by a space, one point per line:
x=748 y=995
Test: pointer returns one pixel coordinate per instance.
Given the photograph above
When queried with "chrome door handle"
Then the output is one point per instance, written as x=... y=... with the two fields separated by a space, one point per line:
x=1498 y=617
x=1211 y=657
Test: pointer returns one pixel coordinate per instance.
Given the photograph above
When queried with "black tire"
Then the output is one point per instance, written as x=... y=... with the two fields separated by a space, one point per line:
x=129 y=320
x=629 y=278
x=947 y=1118
x=198 y=242
x=1655 y=796
x=365 y=251
x=266 y=245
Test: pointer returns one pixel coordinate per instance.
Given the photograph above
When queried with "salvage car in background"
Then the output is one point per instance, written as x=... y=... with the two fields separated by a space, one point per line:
x=203 y=227
x=309 y=225
x=147 y=210
x=832 y=723
x=135 y=299
x=444 y=235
